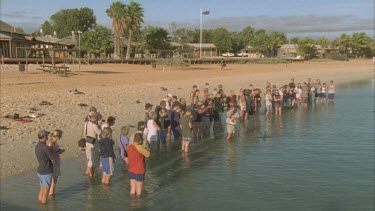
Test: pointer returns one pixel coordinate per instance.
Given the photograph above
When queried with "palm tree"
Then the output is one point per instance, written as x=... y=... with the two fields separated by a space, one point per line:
x=361 y=44
x=117 y=12
x=323 y=42
x=133 y=20
x=343 y=42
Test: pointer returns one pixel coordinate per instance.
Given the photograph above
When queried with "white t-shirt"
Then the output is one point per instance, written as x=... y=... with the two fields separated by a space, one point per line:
x=298 y=93
x=268 y=99
x=152 y=132
x=229 y=120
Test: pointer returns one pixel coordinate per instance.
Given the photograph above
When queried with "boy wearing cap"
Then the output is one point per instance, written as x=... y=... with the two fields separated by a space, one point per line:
x=44 y=156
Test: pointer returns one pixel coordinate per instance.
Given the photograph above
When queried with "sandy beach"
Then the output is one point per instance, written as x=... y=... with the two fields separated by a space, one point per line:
x=114 y=90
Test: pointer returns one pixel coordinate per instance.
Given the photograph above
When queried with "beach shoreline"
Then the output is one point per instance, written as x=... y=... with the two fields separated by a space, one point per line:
x=114 y=90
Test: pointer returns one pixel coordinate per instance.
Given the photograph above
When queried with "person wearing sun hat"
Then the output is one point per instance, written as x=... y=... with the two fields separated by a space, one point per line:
x=45 y=157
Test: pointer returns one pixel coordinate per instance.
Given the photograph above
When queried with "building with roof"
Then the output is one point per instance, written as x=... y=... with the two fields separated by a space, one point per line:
x=208 y=49
x=252 y=52
x=11 y=39
x=287 y=50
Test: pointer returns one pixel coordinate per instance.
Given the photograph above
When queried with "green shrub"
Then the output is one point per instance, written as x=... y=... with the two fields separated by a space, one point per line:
x=340 y=57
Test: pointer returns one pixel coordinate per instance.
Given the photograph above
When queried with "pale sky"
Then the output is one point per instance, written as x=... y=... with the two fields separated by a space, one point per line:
x=294 y=17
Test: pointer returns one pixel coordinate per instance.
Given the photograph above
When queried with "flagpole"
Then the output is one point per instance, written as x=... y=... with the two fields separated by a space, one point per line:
x=200 y=42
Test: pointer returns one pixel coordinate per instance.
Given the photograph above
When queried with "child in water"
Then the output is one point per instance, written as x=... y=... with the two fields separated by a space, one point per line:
x=108 y=156
x=186 y=126
x=137 y=165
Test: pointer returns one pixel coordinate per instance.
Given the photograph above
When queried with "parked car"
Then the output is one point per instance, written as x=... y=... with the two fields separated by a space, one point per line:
x=227 y=54
x=242 y=54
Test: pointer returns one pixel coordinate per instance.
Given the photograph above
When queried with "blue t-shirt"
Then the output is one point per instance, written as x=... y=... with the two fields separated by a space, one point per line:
x=175 y=119
x=106 y=144
x=44 y=155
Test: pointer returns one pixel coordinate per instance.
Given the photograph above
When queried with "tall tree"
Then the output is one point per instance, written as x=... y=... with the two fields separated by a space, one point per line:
x=222 y=39
x=276 y=39
x=294 y=40
x=323 y=42
x=246 y=35
x=117 y=11
x=133 y=21
x=343 y=43
x=306 y=47
x=261 y=42
x=98 y=40
x=362 y=45
x=154 y=38
x=67 y=20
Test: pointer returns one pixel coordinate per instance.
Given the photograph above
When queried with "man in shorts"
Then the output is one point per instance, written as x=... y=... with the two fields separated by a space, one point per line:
x=92 y=129
x=45 y=156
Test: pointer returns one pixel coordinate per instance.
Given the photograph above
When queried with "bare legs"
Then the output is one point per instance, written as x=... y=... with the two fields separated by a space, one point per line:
x=90 y=171
x=136 y=187
x=106 y=179
x=230 y=136
x=53 y=185
x=43 y=193
x=185 y=146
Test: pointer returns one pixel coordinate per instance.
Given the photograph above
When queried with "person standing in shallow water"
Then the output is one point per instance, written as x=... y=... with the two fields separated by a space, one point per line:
x=108 y=157
x=331 y=91
x=92 y=129
x=137 y=165
x=45 y=157
x=232 y=117
x=57 y=151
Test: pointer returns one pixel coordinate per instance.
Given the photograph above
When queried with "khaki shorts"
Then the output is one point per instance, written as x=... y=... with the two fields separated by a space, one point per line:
x=230 y=128
x=92 y=154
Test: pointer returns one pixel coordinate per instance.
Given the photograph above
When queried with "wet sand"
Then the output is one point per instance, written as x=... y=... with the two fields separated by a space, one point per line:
x=114 y=90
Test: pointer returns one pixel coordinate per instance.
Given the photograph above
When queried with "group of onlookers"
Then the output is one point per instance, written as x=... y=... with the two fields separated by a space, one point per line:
x=172 y=119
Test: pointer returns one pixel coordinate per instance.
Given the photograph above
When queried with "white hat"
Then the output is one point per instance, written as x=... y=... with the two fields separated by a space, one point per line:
x=170 y=95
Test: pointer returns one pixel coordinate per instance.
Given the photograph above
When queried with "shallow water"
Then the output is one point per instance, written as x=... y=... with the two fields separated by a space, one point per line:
x=319 y=158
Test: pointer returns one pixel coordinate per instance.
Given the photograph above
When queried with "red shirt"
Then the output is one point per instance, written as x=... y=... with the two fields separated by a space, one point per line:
x=137 y=163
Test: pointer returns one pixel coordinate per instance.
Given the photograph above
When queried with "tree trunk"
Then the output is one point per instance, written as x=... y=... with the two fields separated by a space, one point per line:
x=129 y=45
x=115 y=45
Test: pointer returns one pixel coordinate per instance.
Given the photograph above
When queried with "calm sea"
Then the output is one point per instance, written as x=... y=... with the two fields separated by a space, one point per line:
x=319 y=158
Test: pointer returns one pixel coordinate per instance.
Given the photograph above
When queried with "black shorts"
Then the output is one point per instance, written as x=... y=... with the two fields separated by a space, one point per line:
x=216 y=116
x=137 y=177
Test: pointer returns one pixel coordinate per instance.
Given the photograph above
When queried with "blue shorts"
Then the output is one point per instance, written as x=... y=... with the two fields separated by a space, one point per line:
x=137 y=177
x=163 y=135
x=107 y=165
x=45 y=180
x=176 y=134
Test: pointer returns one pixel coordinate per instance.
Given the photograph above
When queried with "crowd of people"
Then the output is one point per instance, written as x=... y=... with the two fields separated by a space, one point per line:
x=173 y=119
